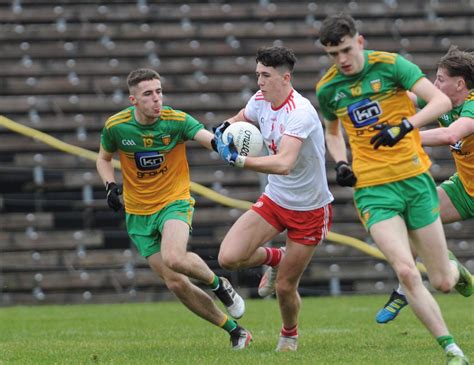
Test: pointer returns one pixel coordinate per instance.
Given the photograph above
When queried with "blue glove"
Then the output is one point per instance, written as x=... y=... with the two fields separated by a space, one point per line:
x=227 y=151
x=220 y=128
x=390 y=135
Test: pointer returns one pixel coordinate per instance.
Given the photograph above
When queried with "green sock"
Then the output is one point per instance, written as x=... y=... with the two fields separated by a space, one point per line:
x=215 y=283
x=445 y=341
x=229 y=325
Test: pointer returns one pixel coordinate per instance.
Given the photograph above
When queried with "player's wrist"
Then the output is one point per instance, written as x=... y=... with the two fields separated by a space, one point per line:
x=407 y=125
x=340 y=163
x=109 y=185
x=240 y=161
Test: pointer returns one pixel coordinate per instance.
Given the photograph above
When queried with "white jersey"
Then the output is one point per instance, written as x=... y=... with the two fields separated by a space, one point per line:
x=305 y=187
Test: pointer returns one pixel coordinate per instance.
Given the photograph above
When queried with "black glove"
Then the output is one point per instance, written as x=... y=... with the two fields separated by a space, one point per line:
x=220 y=128
x=389 y=135
x=113 y=196
x=344 y=174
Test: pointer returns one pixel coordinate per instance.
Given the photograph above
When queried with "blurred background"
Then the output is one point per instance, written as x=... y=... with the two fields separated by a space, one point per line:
x=63 y=66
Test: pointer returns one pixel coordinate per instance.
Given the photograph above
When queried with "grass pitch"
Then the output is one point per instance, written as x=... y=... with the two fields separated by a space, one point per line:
x=338 y=331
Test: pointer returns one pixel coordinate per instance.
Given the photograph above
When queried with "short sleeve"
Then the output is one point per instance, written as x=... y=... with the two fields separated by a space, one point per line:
x=107 y=140
x=301 y=123
x=407 y=72
x=252 y=107
x=192 y=126
x=322 y=94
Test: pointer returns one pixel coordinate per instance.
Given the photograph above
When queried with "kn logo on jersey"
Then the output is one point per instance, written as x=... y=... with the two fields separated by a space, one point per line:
x=364 y=112
x=149 y=160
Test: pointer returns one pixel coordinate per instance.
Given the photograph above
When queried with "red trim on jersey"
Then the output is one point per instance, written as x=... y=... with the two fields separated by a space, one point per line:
x=291 y=104
x=259 y=96
x=290 y=96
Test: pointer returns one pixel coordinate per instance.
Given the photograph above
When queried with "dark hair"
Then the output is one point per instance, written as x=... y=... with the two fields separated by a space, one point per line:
x=459 y=63
x=139 y=75
x=336 y=27
x=276 y=57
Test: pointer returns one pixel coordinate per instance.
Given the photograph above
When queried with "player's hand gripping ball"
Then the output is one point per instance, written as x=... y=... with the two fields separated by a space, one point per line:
x=246 y=137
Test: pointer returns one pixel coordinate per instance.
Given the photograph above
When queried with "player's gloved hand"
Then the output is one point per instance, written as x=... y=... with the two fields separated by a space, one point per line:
x=219 y=129
x=389 y=135
x=113 y=196
x=344 y=174
x=227 y=151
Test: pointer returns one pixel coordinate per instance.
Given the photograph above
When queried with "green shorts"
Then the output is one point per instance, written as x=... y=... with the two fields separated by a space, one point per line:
x=145 y=230
x=462 y=201
x=414 y=199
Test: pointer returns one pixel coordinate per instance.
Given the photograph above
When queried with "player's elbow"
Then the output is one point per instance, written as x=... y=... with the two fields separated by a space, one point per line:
x=285 y=168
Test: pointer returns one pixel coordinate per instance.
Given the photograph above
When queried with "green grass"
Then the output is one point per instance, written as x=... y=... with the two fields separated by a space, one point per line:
x=332 y=331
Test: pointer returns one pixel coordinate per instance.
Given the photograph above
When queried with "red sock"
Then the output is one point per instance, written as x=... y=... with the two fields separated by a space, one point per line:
x=273 y=256
x=289 y=332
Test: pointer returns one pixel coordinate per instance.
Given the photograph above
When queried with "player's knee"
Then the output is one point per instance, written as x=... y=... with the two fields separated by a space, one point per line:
x=227 y=262
x=443 y=284
x=408 y=275
x=174 y=262
x=177 y=284
x=284 y=287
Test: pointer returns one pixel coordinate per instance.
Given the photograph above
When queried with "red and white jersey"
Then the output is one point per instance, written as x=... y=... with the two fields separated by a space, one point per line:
x=305 y=187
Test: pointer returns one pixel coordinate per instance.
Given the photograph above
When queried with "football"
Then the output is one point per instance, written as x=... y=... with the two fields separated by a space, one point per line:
x=247 y=138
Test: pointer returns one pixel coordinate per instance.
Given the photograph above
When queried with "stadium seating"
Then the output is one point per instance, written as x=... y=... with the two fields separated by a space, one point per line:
x=63 y=72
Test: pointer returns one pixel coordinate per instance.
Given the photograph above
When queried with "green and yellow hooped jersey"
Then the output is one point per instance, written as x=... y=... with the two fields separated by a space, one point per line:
x=463 y=150
x=376 y=95
x=153 y=157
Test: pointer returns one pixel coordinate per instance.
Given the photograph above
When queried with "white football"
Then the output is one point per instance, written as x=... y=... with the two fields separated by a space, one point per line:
x=247 y=138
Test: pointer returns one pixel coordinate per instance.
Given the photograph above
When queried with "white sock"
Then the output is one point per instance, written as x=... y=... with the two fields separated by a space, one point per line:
x=399 y=290
x=453 y=348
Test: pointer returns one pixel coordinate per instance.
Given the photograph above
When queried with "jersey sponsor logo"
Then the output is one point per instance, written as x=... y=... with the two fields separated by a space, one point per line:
x=364 y=112
x=144 y=174
x=128 y=142
x=148 y=160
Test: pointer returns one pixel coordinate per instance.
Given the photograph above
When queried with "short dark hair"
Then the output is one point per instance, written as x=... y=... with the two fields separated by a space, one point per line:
x=459 y=63
x=336 y=27
x=141 y=74
x=276 y=57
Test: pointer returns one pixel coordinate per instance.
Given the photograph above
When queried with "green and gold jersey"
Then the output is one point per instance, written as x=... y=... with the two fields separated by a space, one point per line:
x=463 y=150
x=153 y=157
x=374 y=96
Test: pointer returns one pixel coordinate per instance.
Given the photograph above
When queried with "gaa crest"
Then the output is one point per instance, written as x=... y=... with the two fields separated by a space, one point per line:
x=376 y=85
x=166 y=139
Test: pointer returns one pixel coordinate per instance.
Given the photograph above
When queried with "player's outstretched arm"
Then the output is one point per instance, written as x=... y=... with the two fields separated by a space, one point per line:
x=204 y=138
x=461 y=128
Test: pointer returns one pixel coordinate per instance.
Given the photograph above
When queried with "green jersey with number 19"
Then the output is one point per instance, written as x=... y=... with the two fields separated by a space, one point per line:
x=153 y=157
